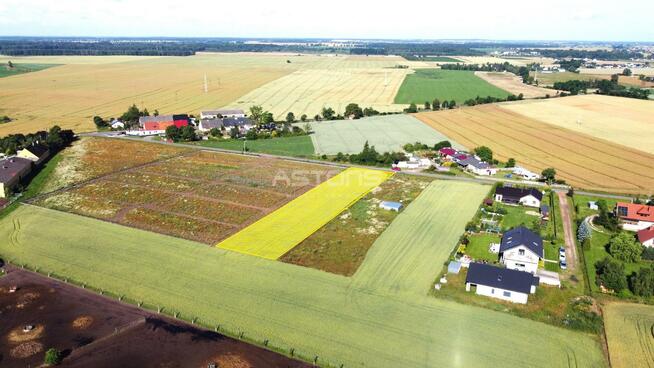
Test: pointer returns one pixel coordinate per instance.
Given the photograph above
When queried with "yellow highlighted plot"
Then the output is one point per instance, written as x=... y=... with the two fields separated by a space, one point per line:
x=274 y=235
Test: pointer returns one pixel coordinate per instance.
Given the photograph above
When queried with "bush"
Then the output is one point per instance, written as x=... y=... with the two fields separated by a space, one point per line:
x=648 y=253
x=52 y=357
x=610 y=273
x=623 y=246
x=581 y=316
x=642 y=283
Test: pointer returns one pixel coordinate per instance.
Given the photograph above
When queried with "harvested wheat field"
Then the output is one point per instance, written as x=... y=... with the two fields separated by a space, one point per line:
x=630 y=334
x=625 y=121
x=513 y=84
x=581 y=160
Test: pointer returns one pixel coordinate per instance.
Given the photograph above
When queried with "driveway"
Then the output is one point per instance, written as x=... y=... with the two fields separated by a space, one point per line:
x=569 y=234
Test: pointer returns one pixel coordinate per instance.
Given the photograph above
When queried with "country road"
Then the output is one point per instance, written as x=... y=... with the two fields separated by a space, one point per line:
x=569 y=234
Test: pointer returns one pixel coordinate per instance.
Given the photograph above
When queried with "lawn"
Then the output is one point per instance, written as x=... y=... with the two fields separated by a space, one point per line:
x=5 y=71
x=478 y=248
x=386 y=133
x=358 y=321
x=277 y=233
x=629 y=334
x=300 y=146
x=428 y=84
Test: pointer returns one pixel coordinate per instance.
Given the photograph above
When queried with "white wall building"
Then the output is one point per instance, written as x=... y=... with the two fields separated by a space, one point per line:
x=501 y=283
x=521 y=249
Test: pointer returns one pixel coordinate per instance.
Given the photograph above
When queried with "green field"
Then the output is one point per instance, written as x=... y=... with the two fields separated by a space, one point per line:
x=428 y=84
x=629 y=333
x=386 y=133
x=440 y=59
x=381 y=317
x=300 y=146
x=5 y=71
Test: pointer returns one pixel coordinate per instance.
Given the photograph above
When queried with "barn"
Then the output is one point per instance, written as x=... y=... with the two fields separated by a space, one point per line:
x=161 y=122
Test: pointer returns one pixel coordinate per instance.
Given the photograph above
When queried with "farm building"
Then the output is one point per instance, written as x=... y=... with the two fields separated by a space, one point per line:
x=447 y=152
x=501 y=283
x=474 y=165
x=525 y=196
x=12 y=171
x=117 y=124
x=646 y=237
x=161 y=122
x=634 y=217
x=208 y=124
x=35 y=152
x=525 y=174
x=214 y=114
x=243 y=124
x=521 y=249
x=390 y=206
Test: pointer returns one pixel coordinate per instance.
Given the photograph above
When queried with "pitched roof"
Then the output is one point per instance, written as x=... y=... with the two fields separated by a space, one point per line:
x=448 y=151
x=11 y=167
x=522 y=236
x=501 y=278
x=211 y=123
x=517 y=193
x=646 y=234
x=223 y=112
x=636 y=212
x=37 y=150
x=231 y=122
x=162 y=118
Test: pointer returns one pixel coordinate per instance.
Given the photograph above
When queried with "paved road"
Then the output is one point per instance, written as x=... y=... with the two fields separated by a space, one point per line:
x=569 y=234
x=476 y=179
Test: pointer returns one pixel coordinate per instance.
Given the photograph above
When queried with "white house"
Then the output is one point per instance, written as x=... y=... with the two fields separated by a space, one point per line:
x=117 y=124
x=208 y=124
x=501 y=283
x=523 y=196
x=476 y=166
x=593 y=205
x=521 y=250
x=144 y=133
x=213 y=114
x=525 y=174
x=646 y=237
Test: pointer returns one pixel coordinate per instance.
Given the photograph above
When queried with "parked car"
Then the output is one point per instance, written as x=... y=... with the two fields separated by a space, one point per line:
x=561 y=250
x=563 y=265
x=562 y=257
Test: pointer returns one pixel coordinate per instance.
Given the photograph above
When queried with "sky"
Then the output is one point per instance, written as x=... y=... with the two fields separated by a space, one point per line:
x=597 y=20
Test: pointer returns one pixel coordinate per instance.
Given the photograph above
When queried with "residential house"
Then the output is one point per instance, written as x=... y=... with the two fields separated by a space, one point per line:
x=208 y=124
x=390 y=206
x=447 y=152
x=34 y=152
x=501 y=283
x=117 y=124
x=214 y=114
x=634 y=217
x=525 y=174
x=646 y=237
x=524 y=196
x=161 y=122
x=475 y=165
x=12 y=171
x=243 y=124
x=521 y=249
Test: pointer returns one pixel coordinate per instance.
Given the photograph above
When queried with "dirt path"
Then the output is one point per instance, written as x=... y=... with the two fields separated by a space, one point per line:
x=570 y=248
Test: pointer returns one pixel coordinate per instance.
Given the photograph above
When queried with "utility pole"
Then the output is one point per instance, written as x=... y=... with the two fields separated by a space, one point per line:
x=206 y=85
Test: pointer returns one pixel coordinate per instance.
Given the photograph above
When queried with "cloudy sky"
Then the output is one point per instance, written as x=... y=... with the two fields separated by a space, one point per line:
x=418 y=19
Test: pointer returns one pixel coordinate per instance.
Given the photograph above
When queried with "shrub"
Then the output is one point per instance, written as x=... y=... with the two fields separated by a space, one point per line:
x=52 y=357
x=623 y=246
x=610 y=273
x=581 y=316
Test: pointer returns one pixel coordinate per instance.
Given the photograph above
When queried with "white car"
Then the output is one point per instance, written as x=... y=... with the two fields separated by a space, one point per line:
x=563 y=265
x=562 y=257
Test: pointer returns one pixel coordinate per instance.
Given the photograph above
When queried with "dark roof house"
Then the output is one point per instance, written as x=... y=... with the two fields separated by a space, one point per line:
x=513 y=195
x=236 y=122
x=522 y=236
x=38 y=150
x=501 y=278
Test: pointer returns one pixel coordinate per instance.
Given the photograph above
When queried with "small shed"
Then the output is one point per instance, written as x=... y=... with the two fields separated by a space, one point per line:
x=391 y=206
x=454 y=267
x=593 y=205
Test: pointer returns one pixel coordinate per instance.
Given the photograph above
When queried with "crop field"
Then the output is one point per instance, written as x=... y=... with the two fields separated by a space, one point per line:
x=5 y=71
x=203 y=196
x=342 y=244
x=277 y=233
x=630 y=334
x=381 y=317
x=428 y=84
x=513 y=84
x=300 y=146
x=386 y=133
x=625 y=121
x=611 y=71
x=519 y=61
x=581 y=160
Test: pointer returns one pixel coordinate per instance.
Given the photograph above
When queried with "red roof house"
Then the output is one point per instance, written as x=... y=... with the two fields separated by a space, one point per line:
x=162 y=122
x=635 y=216
x=447 y=151
x=646 y=236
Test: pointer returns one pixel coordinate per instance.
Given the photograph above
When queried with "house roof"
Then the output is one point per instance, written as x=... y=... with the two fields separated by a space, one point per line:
x=162 y=118
x=389 y=204
x=517 y=193
x=11 y=167
x=211 y=123
x=636 y=212
x=223 y=112
x=37 y=150
x=231 y=122
x=473 y=161
x=522 y=236
x=501 y=278
x=646 y=234
x=448 y=151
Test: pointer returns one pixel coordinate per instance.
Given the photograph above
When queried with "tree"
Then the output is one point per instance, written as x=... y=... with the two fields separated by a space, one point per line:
x=411 y=109
x=369 y=111
x=52 y=357
x=436 y=104
x=99 y=122
x=307 y=128
x=610 y=273
x=155 y=113
x=10 y=64
x=214 y=132
x=427 y=105
x=623 y=246
x=328 y=113
x=233 y=133
x=605 y=217
x=626 y=72
x=583 y=232
x=452 y=104
x=549 y=174
x=615 y=78
x=445 y=105
x=131 y=115
x=290 y=118
x=353 y=111
x=187 y=133
x=510 y=162
x=484 y=153
x=256 y=113
x=251 y=135
x=317 y=117
x=54 y=139
x=442 y=144
x=173 y=133
x=642 y=283
x=303 y=118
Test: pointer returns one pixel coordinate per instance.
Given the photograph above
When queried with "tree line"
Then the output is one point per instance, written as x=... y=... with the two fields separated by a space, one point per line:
x=521 y=71
x=603 y=86
x=55 y=139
